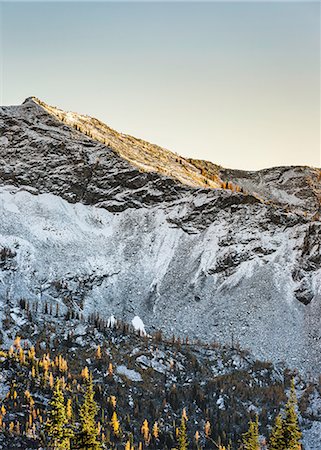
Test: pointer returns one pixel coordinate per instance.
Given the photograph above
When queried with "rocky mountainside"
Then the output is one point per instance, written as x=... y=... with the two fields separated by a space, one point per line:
x=96 y=221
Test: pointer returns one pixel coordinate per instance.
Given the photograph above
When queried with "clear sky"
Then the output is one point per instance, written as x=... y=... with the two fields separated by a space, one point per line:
x=234 y=83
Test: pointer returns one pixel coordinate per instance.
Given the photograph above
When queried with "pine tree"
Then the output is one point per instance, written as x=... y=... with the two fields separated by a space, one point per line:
x=98 y=352
x=251 y=437
x=291 y=430
x=115 y=424
x=69 y=413
x=87 y=437
x=145 y=431
x=57 y=428
x=155 y=430
x=51 y=380
x=85 y=373
x=182 y=434
x=112 y=401
x=276 y=441
x=207 y=429
x=17 y=342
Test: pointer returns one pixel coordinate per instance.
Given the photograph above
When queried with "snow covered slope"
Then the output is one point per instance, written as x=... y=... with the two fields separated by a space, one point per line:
x=83 y=228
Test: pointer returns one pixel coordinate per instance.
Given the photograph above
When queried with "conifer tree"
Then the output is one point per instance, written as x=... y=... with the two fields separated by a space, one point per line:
x=182 y=435
x=17 y=342
x=113 y=401
x=291 y=430
x=57 y=428
x=251 y=437
x=207 y=429
x=128 y=446
x=145 y=431
x=115 y=424
x=51 y=380
x=197 y=438
x=87 y=437
x=110 y=369
x=155 y=430
x=276 y=441
x=69 y=413
x=98 y=352
x=85 y=373
x=31 y=353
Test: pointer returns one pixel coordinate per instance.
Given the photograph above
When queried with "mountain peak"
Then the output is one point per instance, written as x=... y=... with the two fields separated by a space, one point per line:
x=32 y=98
x=145 y=156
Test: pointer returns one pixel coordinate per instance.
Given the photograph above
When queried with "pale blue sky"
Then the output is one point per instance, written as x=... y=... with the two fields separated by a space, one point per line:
x=234 y=83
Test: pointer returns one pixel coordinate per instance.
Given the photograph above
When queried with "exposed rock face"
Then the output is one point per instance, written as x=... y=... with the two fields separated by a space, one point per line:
x=81 y=226
x=298 y=188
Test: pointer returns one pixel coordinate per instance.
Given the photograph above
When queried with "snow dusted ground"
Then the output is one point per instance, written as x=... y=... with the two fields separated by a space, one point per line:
x=312 y=437
x=226 y=282
x=129 y=373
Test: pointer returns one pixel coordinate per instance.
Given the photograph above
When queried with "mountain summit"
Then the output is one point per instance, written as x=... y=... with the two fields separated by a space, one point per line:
x=97 y=222
x=141 y=154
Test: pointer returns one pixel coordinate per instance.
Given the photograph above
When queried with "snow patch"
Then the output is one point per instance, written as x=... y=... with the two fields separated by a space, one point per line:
x=220 y=403
x=138 y=325
x=111 y=322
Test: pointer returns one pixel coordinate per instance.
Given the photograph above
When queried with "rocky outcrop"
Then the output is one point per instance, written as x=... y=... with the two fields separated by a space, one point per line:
x=294 y=187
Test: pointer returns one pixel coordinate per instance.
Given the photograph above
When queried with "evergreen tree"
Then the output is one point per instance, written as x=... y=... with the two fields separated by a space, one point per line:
x=87 y=437
x=69 y=412
x=115 y=424
x=145 y=431
x=207 y=429
x=98 y=352
x=251 y=437
x=276 y=441
x=291 y=430
x=57 y=428
x=155 y=430
x=182 y=436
